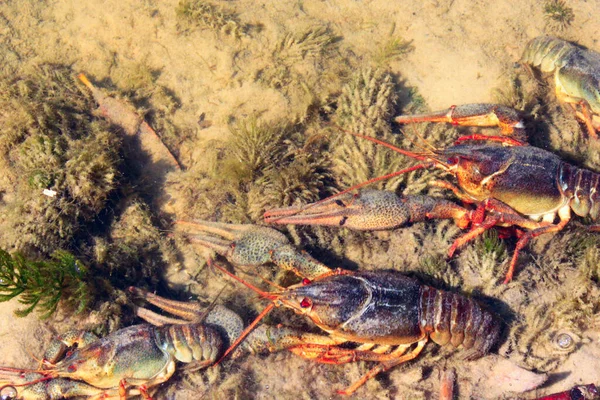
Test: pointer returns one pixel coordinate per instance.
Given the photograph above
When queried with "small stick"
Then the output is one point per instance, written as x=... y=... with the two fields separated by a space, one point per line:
x=447 y=379
x=120 y=113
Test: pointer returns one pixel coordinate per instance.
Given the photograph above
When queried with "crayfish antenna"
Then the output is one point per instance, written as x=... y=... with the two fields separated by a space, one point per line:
x=19 y=373
x=430 y=149
x=271 y=283
x=267 y=295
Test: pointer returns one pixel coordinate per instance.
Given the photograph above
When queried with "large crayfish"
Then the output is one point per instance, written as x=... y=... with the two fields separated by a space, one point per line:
x=512 y=185
x=378 y=309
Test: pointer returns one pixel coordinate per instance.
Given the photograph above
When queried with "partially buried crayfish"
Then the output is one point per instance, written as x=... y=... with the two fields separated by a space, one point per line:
x=576 y=75
x=133 y=360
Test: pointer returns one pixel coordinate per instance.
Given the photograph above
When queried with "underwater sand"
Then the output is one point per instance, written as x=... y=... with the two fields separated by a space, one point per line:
x=460 y=51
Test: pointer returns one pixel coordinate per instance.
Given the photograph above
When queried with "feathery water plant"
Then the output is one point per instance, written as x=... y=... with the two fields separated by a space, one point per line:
x=205 y=15
x=42 y=285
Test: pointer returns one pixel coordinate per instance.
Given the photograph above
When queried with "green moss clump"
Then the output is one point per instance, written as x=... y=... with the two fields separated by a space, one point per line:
x=205 y=15
x=134 y=248
x=61 y=160
x=264 y=165
x=41 y=285
x=366 y=106
x=490 y=243
x=558 y=15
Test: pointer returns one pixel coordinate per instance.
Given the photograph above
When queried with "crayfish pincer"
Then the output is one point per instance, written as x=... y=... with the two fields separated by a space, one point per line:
x=388 y=315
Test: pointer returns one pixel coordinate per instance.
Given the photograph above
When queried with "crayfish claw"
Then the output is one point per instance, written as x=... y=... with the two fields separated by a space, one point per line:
x=253 y=245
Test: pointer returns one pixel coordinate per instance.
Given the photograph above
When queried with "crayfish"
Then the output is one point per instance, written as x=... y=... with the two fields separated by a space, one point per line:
x=512 y=184
x=576 y=75
x=385 y=313
x=520 y=186
x=129 y=361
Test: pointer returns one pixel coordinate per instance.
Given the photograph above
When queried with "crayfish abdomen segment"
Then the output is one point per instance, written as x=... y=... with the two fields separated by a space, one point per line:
x=583 y=187
x=190 y=343
x=452 y=318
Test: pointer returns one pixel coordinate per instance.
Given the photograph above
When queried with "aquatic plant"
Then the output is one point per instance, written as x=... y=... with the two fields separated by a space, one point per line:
x=584 y=248
x=365 y=106
x=205 y=15
x=41 y=285
x=416 y=102
x=302 y=175
x=394 y=48
x=558 y=15
x=490 y=243
x=255 y=145
x=519 y=91
x=263 y=165
x=589 y=263
x=134 y=249
x=61 y=160
x=304 y=66
x=436 y=267
x=309 y=43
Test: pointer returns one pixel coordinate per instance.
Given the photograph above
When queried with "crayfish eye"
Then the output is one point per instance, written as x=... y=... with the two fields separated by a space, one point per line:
x=305 y=303
x=306 y=281
x=452 y=160
x=8 y=393
x=72 y=368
